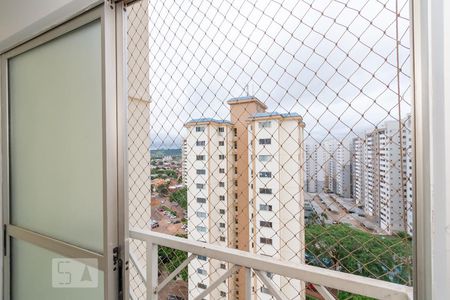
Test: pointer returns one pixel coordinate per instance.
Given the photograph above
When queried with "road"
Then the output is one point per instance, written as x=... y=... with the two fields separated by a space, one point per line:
x=342 y=210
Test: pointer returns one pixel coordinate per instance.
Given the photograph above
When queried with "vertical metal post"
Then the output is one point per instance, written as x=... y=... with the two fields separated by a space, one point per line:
x=152 y=271
x=431 y=145
x=122 y=146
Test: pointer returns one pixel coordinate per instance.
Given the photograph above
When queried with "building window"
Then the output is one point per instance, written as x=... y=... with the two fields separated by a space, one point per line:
x=222 y=211
x=202 y=229
x=221 y=170
x=201 y=200
x=200 y=129
x=265 y=141
x=201 y=285
x=265 y=174
x=201 y=214
x=223 y=266
x=235 y=157
x=266 y=241
x=235 y=170
x=221 y=129
x=222 y=225
x=236 y=183
x=235 y=145
x=265 y=224
x=265 y=191
x=222 y=198
x=221 y=143
x=200 y=157
x=264 y=158
x=222 y=238
x=235 y=132
x=201 y=172
x=221 y=156
x=265 y=207
x=223 y=294
x=201 y=257
x=200 y=143
x=201 y=271
x=221 y=184
x=200 y=186
x=265 y=124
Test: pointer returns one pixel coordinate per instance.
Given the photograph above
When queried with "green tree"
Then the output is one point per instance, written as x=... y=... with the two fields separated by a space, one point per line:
x=170 y=259
x=180 y=197
x=162 y=190
x=343 y=248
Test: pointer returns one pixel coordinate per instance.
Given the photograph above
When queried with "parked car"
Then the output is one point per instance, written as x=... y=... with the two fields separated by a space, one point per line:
x=176 y=222
x=153 y=223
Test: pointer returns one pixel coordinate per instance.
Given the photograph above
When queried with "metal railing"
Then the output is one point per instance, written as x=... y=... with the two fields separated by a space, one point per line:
x=322 y=279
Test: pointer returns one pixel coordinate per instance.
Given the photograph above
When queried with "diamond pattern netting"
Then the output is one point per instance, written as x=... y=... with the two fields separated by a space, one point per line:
x=282 y=128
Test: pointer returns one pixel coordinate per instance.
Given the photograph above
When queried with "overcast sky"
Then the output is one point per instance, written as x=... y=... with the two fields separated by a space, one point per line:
x=333 y=62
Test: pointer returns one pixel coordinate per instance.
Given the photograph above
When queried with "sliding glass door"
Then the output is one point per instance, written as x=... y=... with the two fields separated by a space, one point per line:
x=60 y=165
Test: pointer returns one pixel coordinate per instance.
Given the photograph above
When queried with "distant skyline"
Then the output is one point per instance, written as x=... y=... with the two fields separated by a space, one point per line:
x=337 y=70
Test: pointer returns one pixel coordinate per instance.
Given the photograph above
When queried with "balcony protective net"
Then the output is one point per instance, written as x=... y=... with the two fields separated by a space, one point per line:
x=282 y=128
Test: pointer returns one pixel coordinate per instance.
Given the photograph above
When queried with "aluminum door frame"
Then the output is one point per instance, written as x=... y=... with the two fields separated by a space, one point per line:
x=113 y=32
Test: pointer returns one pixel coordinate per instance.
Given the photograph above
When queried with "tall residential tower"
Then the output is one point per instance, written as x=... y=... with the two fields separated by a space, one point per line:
x=245 y=191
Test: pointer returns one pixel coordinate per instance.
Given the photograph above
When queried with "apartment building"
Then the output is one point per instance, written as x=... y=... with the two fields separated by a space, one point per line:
x=381 y=175
x=343 y=185
x=314 y=168
x=184 y=162
x=275 y=194
x=310 y=168
x=245 y=190
x=329 y=164
x=391 y=195
x=328 y=168
x=358 y=169
x=209 y=184
x=371 y=174
x=408 y=165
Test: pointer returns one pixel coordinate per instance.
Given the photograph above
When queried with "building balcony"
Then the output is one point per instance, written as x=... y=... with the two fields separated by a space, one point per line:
x=321 y=283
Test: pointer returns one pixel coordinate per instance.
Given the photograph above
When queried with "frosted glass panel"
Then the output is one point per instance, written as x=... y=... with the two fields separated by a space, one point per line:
x=32 y=276
x=56 y=138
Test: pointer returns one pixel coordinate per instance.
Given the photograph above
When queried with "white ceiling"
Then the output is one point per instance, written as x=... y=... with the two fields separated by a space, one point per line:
x=16 y=15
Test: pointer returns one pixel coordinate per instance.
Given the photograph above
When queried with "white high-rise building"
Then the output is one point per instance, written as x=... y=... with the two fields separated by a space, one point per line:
x=371 y=174
x=276 y=196
x=314 y=168
x=184 y=173
x=358 y=168
x=246 y=193
x=209 y=178
x=382 y=173
x=343 y=170
x=407 y=160
x=391 y=201
x=310 y=168
x=329 y=164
